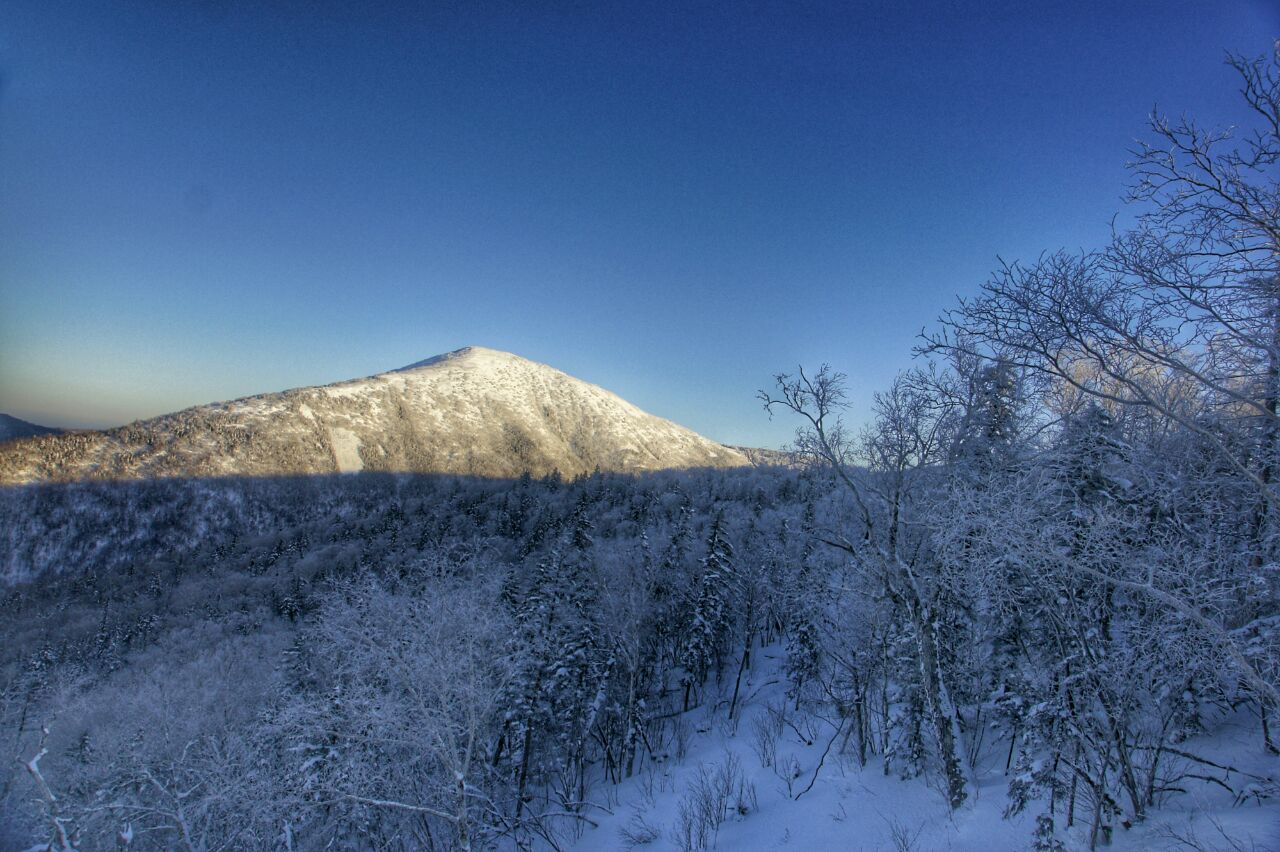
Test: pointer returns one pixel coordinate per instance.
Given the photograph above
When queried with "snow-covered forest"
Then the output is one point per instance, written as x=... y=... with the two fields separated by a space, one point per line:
x=1037 y=594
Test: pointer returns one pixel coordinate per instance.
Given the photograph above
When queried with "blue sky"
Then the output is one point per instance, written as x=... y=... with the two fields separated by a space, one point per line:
x=204 y=200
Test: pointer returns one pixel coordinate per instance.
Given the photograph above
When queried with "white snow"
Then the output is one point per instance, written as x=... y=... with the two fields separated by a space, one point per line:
x=346 y=450
x=855 y=808
x=469 y=410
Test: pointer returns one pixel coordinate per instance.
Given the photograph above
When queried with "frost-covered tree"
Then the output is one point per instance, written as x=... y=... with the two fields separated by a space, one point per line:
x=394 y=730
x=702 y=646
x=904 y=441
x=1177 y=317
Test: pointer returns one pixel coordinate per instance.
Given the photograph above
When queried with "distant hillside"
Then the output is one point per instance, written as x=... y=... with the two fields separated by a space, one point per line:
x=475 y=411
x=12 y=428
x=764 y=457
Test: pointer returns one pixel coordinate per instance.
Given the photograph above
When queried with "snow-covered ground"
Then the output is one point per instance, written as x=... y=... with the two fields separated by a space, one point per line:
x=852 y=808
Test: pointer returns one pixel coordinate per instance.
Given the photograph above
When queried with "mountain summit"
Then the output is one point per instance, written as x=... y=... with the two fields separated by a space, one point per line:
x=474 y=411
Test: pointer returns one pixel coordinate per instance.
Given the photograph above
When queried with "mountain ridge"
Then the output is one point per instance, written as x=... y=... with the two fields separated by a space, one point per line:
x=12 y=428
x=473 y=411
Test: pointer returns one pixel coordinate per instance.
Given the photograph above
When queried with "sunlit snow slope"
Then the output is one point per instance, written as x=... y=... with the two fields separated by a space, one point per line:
x=475 y=411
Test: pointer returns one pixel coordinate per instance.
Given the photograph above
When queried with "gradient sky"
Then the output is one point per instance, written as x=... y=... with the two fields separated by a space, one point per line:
x=204 y=200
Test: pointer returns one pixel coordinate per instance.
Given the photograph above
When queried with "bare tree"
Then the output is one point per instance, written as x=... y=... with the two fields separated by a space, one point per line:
x=60 y=825
x=1179 y=316
x=420 y=675
x=905 y=439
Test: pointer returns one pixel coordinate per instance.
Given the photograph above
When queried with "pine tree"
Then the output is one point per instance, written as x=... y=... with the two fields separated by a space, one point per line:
x=709 y=620
x=988 y=430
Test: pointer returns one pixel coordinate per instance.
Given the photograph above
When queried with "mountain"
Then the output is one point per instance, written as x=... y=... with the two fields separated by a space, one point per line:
x=474 y=411
x=12 y=428
x=762 y=457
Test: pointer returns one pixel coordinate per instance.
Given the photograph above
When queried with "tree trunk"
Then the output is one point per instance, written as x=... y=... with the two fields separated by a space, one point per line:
x=524 y=769
x=461 y=822
x=743 y=665
x=1268 y=744
x=941 y=710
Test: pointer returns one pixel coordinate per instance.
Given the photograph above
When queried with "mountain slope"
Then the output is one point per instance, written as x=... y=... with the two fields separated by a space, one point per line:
x=475 y=411
x=11 y=428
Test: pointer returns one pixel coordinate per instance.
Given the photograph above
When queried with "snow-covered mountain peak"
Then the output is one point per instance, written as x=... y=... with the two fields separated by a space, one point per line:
x=466 y=353
x=472 y=411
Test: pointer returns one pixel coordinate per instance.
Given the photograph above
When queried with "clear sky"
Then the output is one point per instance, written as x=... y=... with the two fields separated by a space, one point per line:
x=204 y=200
